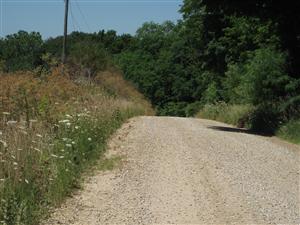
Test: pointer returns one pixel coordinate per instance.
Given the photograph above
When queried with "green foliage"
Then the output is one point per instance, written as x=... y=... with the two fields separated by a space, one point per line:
x=173 y=109
x=290 y=131
x=21 y=51
x=262 y=78
x=72 y=150
x=90 y=56
x=265 y=78
x=265 y=119
x=211 y=93
x=232 y=114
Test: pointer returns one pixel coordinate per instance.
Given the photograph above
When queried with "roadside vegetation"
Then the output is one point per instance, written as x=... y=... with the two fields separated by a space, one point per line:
x=237 y=62
x=54 y=124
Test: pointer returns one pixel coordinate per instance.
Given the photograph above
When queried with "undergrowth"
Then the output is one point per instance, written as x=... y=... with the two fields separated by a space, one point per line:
x=232 y=114
x=263 y=120
x=290 y=131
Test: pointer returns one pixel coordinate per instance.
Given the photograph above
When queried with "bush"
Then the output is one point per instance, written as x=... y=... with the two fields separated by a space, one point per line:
x=264 y=79
x=290 y=131
x=192 y=109
x=21 y=51
x=265 y=119
x=172 y=109
x=90 y=56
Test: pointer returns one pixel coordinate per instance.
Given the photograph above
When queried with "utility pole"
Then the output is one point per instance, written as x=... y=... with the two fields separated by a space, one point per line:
x=65 y=32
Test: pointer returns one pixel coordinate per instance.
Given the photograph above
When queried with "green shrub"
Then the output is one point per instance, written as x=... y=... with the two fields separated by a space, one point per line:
x=192 y=109
x=265 y=119
x=264 y=79
x=290 y=131
x=172 y=109
x=21 y=51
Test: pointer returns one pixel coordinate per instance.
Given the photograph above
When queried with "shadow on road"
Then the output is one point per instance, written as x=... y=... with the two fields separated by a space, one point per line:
x=238 y=130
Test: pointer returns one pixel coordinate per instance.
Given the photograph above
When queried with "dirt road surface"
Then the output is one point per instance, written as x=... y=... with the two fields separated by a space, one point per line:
x=189 y=171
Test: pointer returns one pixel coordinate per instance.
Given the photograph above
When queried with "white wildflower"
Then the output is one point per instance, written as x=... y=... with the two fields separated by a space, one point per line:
x=89 y=139
x=54 y=156
x=14 y=157
x=6 y=113
x=2 y=179
x=4 y=143
x=76 y=127
x=1 y=132
x=11 y=122
x=73 y=143
x=19 y=149
x=36 y=149
x=68 y=124
x=39 y=135
x=64 y=121
x=68 y=145
x=15 y=163
x=68 y=116
x=26 y=181
x=61 y=157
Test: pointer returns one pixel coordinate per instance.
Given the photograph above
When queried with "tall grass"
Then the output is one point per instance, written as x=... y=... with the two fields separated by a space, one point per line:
x=290 y=131
x=232 y=114
x=52 y=129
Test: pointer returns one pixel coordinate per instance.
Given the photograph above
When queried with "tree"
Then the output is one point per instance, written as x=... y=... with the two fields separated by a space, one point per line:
x=21 y=51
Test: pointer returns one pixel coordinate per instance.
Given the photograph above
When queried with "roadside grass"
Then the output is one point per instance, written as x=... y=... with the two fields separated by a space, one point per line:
x=231 y=114
x=256 y=119
x=51 y=130
x=290 y=131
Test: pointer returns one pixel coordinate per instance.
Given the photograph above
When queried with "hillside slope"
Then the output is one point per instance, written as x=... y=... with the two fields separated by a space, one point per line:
x=53 y=127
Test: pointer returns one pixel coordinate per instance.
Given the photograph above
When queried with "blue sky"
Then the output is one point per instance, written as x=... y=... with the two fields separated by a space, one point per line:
x=46 y=16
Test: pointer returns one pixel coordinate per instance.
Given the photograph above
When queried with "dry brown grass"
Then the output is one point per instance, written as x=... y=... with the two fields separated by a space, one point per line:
x=50 y=128
x=115 y=84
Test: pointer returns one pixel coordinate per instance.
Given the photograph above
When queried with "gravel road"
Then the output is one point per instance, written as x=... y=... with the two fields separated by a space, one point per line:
x=189 y=171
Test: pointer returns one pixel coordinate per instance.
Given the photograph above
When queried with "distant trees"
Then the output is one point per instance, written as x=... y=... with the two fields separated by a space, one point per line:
x=21 y=51
x=232 y=51
x=237 y=52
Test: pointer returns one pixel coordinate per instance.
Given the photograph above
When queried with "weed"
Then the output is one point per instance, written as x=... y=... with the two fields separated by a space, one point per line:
x=51 y=130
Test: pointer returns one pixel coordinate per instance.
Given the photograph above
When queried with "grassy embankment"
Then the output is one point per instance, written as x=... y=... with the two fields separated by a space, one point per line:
x=52 y=128
x=247 y=116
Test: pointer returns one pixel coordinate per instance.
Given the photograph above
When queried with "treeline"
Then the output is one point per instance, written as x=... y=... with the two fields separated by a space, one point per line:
x=92 y=52
x=220 y=52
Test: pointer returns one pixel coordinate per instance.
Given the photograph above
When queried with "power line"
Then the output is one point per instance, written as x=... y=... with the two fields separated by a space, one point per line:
x=65 y=32
x=82 y=15
x=75 y=24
